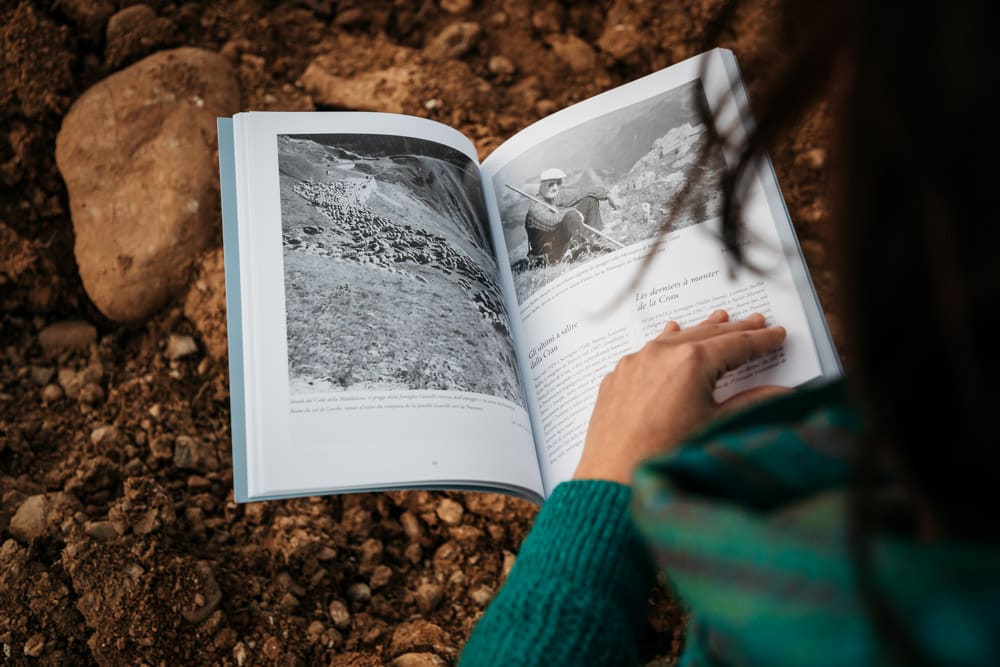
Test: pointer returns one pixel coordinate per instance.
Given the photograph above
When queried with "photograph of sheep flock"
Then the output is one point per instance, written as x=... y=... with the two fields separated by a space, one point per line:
x=389 y=277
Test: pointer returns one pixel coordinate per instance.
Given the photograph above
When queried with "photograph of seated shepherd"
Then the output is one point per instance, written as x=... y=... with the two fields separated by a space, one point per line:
x=605 y=184
x=565 y=223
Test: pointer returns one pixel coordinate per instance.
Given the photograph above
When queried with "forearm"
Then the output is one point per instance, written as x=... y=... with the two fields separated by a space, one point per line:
x=577 y=593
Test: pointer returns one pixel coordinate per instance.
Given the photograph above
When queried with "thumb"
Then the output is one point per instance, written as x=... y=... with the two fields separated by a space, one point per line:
x=750 y=397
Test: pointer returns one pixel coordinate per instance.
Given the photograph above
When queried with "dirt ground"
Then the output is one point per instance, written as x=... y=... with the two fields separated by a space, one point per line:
x=129 y=548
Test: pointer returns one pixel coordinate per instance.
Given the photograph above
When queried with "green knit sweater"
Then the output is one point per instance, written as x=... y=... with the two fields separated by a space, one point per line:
x=748 y=522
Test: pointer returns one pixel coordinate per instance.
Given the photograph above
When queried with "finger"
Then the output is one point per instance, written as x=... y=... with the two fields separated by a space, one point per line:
x=671 y=327
x=750 y=397
x=731 y=350
x=715 y=317
x=709 y=329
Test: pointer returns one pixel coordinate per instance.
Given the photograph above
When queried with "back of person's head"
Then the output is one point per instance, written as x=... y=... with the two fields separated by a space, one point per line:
x=916 y=246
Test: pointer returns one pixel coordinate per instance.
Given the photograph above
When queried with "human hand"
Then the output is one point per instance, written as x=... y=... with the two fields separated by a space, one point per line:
x=613 y=201
x=659 y=395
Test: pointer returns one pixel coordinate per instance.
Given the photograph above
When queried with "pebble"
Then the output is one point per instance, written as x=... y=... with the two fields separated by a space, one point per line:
x=180 y=346
x=456 y=6
x=52 y=393
x=102 y=531
x=574 y=52
x=34 y=646
x=240 y=653
x=371 y=553
x=454 y=41
x=509 y=558
x=501 y=65
x=381 y=576
x=450 y=511
x=339 y=615
x=42 y=375
x=40 y=513
x=359 y=592
x=411 y=526
x=104 y=435
x=69 y=335
x=481 y=595
x=194 y=454
x=428 y=596
x=315 y=631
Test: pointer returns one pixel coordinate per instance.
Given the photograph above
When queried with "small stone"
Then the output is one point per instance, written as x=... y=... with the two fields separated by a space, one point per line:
x=339 y=615
x=411 y=526
x=456 y=6
x=42 y=375
x=428 y=596
x=454 y=41
x=180 y=346
x=288 y=601
x=70 y=382
x=34 y=646
x=381 y=576
x=315 y=631
x=450 y=511
x=52 y=393
x=41 y=514
x=574 y=52
x=91 y=394
x=481 y=595
x=359 y=592
x=240 y=653
x=104 y=435
x=70 y=335
x=418 y=660
x=102 y=531
x=155 y=410
x=371 y=554
x=508 y=563
x=501 y=66
x=193 y=454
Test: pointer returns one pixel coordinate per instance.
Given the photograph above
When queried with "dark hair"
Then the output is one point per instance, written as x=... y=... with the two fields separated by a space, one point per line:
x=915 y=246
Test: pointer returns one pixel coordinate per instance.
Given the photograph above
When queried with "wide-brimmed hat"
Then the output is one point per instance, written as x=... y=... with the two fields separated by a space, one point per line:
x=552 y=175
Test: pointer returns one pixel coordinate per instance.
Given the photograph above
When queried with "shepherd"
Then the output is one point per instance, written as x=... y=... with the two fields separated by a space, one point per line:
x=561 y=216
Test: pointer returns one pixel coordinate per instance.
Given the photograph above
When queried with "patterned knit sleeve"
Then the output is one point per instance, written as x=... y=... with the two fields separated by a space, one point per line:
x=578 y=590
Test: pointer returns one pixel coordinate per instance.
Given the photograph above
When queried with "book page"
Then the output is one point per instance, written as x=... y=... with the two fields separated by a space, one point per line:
x=581 y=197
x=379 y=350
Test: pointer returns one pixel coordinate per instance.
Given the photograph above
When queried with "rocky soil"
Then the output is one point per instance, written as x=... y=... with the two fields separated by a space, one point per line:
x=119 y=539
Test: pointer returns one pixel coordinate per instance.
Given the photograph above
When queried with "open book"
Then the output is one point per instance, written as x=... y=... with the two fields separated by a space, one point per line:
x=402 y=316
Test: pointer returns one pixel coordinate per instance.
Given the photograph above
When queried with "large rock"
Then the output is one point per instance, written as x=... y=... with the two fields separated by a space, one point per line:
x=138 y=154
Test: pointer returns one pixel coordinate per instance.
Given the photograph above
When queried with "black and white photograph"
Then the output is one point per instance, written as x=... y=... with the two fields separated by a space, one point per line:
x=605 y=184
x=390 y=281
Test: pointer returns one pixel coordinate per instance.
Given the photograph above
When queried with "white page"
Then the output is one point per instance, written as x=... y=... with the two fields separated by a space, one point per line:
x=370 y=408
x=577 y=318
